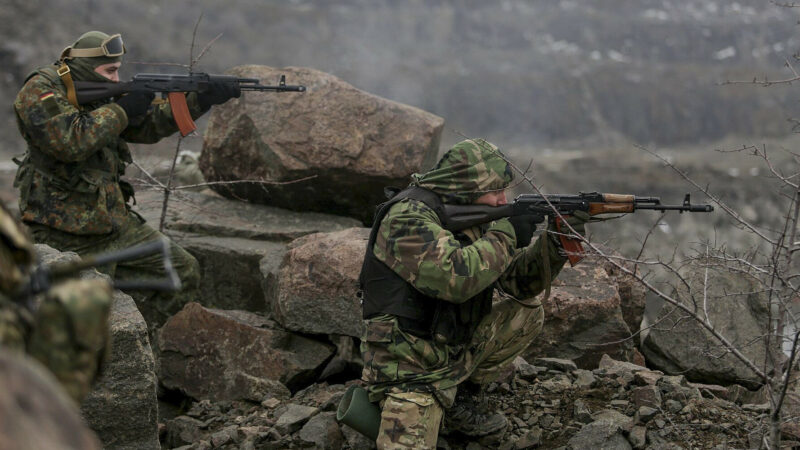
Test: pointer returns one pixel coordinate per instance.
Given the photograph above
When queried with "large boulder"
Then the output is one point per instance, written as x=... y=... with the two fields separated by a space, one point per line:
x=352 y=142
x=583 y=318
x=35 y=412
x=122 y=406
x=317 y=283
x=632 y=293
x=233 y=240
x=736 y=305
x=198 y=213
x=231 y=355
x=231 y=269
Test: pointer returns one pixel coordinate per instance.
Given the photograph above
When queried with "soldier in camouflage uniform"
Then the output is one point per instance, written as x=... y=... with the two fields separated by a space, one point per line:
x=67 y=331
x=71 y=193
x=432 y=335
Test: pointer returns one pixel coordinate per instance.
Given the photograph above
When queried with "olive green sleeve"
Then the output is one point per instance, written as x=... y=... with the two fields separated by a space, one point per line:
x=49 y=122
x=415 y=246
x=525 y=276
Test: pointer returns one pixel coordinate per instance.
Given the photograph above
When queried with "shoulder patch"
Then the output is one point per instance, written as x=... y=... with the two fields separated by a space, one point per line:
x=48 y=100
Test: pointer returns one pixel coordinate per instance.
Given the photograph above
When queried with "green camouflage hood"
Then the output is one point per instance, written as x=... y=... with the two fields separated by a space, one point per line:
x=468 y=170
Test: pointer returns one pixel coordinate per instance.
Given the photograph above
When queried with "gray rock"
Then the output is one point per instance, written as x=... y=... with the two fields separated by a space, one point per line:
x=357 y=440
x=584 y=379
x=213 y=215
x=762 y=408
x=353 y=142
x=294 y=417
x=677 y=388
x=557 y=383
x=645 y=377
x=638 y=437
x=614 y=367
x=584 y=311
x=646 y=396
x=231 y=269
x=673 y=406
x=741 y=395
x=323 y=432
x=644 y=414
x=35 y=411
x=122 y=406
x=317 y=283
x=563 y=365
x=531 y=439
x=183 y=430
x=615 y=417
x=632 y=293
x=600 y=435
x=526 y=371
x=581 y=412
x=227 y=355
x=224 y=436
x=736 y=307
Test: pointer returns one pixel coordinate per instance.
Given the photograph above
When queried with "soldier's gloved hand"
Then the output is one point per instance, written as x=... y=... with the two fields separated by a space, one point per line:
x=218 y=92
x=577 y=221
x=136 y=103
x=523 y=229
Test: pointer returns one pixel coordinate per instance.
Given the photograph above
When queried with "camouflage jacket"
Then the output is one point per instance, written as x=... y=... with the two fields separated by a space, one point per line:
x=70 y=177
x=412 y=242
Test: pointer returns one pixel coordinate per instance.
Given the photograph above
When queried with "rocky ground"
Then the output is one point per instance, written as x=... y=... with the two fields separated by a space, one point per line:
x=549 y=404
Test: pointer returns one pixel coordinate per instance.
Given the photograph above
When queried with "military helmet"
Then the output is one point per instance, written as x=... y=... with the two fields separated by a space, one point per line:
x=91 y=50
x=16 y=252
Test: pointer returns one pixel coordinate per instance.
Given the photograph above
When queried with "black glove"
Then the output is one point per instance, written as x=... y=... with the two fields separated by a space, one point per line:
x=136 y=103
x=218 y=92
x=523 y=228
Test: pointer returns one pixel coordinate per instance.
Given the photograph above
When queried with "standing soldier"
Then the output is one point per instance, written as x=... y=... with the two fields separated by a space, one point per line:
x=71 y=193
x=433 y=337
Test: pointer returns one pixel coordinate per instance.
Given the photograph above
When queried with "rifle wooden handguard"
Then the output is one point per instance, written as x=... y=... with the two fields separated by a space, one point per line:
x=610 y=208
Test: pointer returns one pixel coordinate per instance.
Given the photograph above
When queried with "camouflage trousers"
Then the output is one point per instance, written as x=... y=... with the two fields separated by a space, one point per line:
x=156 y=307
x=68 y=333
x=412 y=410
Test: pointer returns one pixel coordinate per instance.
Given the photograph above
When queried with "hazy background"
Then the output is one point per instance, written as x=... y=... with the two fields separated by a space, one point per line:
x=574 y=86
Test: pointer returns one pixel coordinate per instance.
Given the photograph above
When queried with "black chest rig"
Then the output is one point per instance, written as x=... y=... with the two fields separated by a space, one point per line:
x=384 y=292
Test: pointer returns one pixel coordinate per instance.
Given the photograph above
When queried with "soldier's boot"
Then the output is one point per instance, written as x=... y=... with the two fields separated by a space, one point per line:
x=470 y=414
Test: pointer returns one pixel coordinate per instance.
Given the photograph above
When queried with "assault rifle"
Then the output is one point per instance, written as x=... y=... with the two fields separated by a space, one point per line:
x=44 y=276
x=459 y=217
x=175 y=87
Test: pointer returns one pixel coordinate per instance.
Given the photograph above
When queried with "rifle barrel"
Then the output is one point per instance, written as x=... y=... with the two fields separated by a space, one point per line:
x=681 y=208
x=282 y=88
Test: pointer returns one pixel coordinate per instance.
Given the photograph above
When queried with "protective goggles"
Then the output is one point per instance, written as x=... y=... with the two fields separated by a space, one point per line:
x=112 y=47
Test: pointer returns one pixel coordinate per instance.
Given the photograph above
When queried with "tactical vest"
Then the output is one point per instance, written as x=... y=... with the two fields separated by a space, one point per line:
x=385 y=292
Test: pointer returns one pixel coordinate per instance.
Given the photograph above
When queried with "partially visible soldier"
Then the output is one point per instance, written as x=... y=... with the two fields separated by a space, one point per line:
x=71 y=193
x=67 y=331
x=433 y=337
